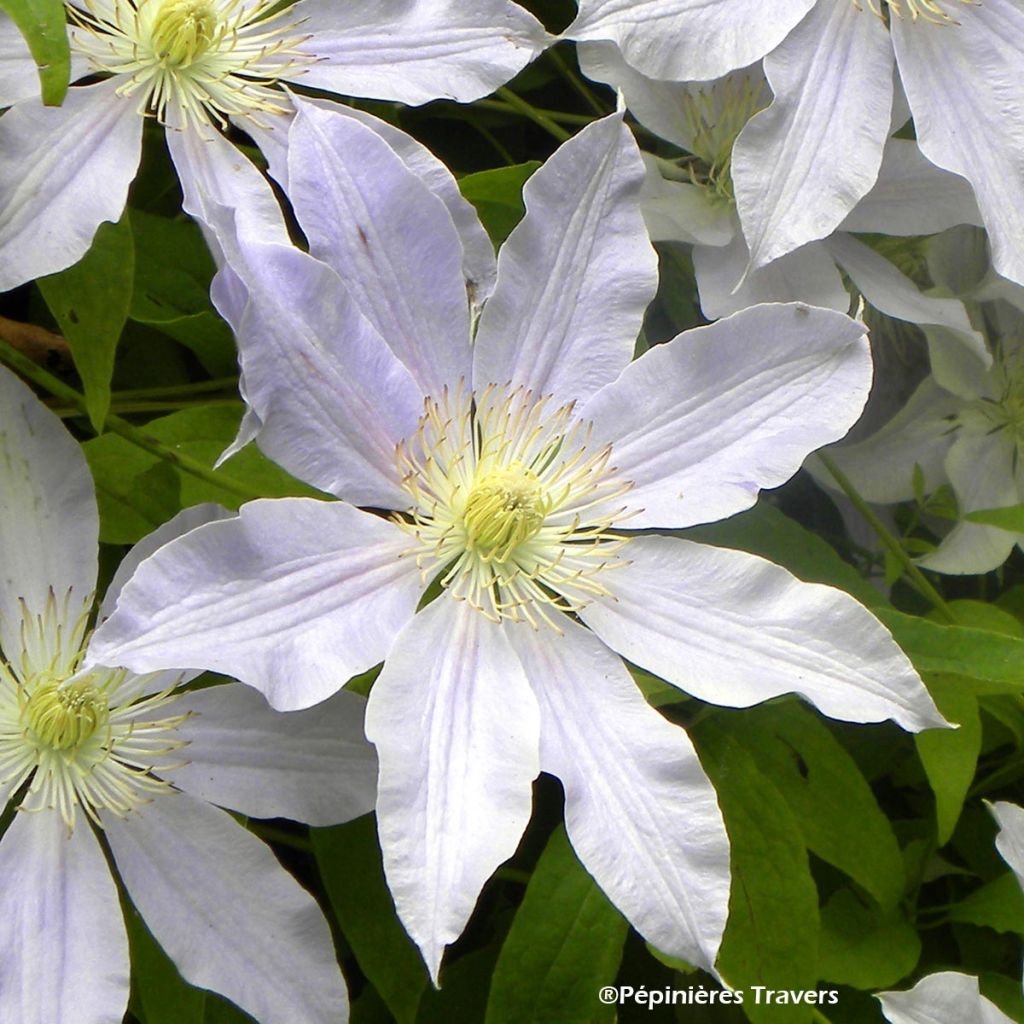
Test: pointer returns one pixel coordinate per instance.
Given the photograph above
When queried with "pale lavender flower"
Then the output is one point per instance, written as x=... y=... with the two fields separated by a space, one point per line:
x=518 y=464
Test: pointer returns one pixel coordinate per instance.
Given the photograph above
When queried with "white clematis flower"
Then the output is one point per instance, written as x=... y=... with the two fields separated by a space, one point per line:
x=691 y=199
x=99 y=757
x=939 y=999
x=963 y=426
x=802 y=164
x=1010 y=841
x=517 y=464
x=200 y=64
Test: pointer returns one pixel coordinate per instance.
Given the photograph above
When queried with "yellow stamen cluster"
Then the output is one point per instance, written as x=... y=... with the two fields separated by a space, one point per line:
x=931 y=11
x=80 y=740
x=511 y=502
x=203 y=59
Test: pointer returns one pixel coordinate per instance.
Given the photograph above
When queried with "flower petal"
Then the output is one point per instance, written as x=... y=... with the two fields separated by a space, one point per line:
x=689 y=40
x=313 y=766
x=640 y=812
x=881 y=467
x=417 y=52
x=735 y=629
x=575 y=276
x=895 y=295
x=702 y=423
x=456 y=725
x=981 y=472
x=228 y=915
x=800 y=166
x=388 y=237
x=967 y=94
x=49 y=526
x=1010 y=841
x=294 y=596
x=331 y=398
x=912 y=196
x=64 y=171
x=62 y=945
x=940 y=998
x=806 y=274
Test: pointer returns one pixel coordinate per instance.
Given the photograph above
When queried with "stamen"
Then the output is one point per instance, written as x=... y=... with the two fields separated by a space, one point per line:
x=930 y=11
x=509 y=504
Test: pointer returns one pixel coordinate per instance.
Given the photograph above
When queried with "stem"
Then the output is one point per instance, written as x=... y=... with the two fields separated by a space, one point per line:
x=30 y=371
x=555 y=115
x=579 y=86
x=69 y=412
x=889 y=541
x=278 y=835
x=535 y=115
x=173 y=390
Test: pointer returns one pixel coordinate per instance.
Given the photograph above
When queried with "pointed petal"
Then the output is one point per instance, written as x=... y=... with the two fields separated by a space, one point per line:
x=49 y=526
x=981 y=472
x=689 y=40
x=800 y=166
x=478 y=263
x=456 y=725
x=215 y=175
x=575 y=276
x=388 y=237
x=294 y=596
x=313 y=766
x=331 y=398
x=640 y=812
x=939 y=999
x=393 y=50
x=62 y=945
x=63 y=171
x=806 y=274
x=735 y=629
x=702 y=423
x=881 y=466
x=912 y=196
x=228 y=915
x=967 y=94
x=893 y=293
x=1010 y=841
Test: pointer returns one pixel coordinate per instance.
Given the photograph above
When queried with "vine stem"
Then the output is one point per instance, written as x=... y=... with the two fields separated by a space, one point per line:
x=891 y=544
x=37 y=375
x=535 y=115
x=505 y=107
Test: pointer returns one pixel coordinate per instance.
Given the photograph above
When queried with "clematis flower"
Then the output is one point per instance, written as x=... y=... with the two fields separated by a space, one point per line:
x=519 y=466
x=98 y=760
x=963 y=426
x=691 y=199
x=802 y=164
x=1010 y=841
x=945 y=996
x=203 y=65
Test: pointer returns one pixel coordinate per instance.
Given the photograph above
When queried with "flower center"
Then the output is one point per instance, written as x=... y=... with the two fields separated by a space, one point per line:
x=505 y=507
x=203 y=59
x=1003 y=408
x=512 y=501
x=65 y=717
x=183 y=30
x=932 y=12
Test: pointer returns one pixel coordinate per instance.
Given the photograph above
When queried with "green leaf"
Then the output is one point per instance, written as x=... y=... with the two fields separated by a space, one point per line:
x=349 y=860
x=564 y=944
x=1009 y=518
x=982 y=615
x=838 y=814
x=764 y=530
x=950 y=756
x=981 y=654
x=498 y=197
x=137 y=490
x=175 y=297
x=90 y=303
x=998 y=904
x=772 y=935
x=44 y=27
x=864 y=946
